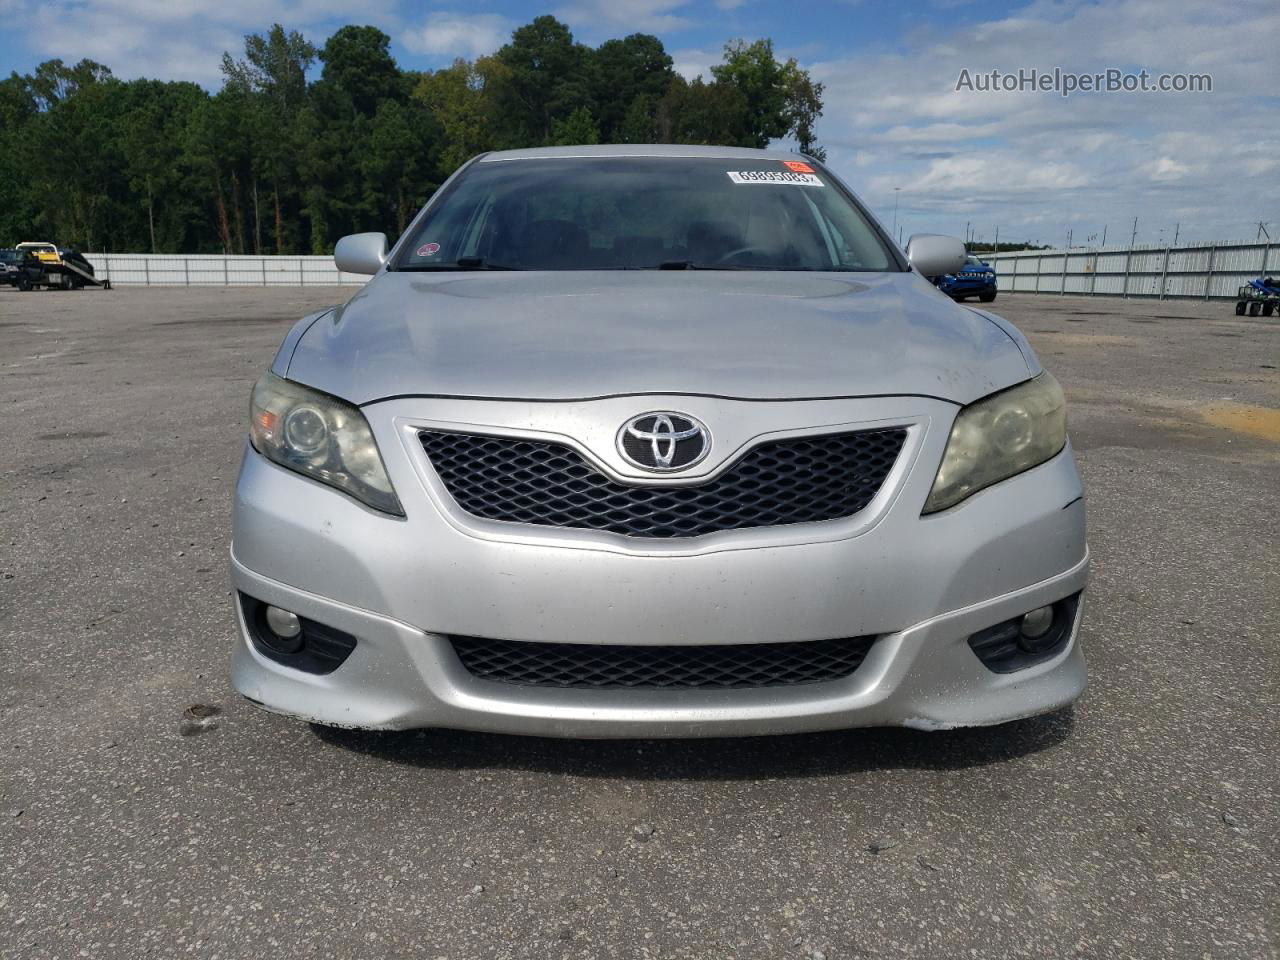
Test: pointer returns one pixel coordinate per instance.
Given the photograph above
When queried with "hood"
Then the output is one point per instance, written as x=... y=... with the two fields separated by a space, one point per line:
x=580 y=335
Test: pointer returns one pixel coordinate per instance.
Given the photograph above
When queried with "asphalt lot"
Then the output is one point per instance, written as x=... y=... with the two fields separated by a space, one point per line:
x=1143 y=823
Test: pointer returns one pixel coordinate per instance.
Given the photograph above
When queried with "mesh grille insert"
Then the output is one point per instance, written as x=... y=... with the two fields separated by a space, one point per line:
x=706 y=667
x=797 y=480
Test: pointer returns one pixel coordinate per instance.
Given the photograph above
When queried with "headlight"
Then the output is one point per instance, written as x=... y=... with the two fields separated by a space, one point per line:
x=998 y=437
x=321 y=437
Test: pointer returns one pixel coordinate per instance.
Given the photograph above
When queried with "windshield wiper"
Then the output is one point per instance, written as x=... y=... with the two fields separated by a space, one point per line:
x=480 y=263
x=693 y=265
x=462 y=263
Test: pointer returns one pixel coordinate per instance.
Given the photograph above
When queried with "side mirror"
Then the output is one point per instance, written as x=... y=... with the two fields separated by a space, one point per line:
x=933 y=254
x=361 y=253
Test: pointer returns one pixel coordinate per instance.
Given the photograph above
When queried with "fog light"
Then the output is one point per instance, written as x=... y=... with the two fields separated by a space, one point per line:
x=1032 y=638
x=1034 y=624
x=283 y=623
x=293 y=641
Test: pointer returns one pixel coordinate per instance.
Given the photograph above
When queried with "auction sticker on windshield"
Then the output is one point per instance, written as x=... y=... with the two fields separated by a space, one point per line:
x=775 y=176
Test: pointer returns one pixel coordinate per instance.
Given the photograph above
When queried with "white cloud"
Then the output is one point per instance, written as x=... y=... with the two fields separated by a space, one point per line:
x=692 y=63
x=1037 y=161
x=649 y=16
x=451 y=35
x=1166 y=168
x=183 y=39
x=987 y=172
x=937 y=132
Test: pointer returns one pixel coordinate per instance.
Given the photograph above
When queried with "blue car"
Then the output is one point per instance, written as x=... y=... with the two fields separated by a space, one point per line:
x=975 y=279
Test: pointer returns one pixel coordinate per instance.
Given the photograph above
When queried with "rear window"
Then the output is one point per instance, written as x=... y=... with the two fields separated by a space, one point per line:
x=619 y=213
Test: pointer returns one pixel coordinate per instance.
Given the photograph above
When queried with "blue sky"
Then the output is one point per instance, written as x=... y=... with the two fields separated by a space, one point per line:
x=1035 y=164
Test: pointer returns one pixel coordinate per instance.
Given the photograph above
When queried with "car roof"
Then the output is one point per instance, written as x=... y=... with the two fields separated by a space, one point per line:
x=639 y=150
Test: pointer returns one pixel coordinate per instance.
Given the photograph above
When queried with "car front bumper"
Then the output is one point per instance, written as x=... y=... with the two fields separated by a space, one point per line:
x=921 y=585
x=968 y=287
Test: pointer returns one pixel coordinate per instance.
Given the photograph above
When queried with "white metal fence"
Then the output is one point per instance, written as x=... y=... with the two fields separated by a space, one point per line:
x=213 y=270
x=1145 y=270
x=1142 y=271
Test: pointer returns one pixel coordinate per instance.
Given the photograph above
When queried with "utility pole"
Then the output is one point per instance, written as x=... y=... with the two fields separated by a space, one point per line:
x=1134 y=239
x=995 y=247
x=1176 y=227
x=1266 y=251
x=895 y=212
x=1104 y=236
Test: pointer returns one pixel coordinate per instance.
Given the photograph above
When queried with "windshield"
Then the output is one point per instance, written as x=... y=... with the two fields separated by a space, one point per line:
x=645 y=213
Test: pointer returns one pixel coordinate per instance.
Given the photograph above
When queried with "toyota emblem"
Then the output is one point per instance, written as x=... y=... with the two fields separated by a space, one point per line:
x=663 y=441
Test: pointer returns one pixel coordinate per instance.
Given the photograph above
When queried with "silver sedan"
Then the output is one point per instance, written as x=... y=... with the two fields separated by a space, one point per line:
x=656 y=441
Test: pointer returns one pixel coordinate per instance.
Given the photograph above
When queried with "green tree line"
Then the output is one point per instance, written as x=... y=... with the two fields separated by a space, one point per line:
x=274 y=162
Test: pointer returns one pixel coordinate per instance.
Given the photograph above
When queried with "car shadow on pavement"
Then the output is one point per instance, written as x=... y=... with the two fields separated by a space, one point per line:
x=746 y=758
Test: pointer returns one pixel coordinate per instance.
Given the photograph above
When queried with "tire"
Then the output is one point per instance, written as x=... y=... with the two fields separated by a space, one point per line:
x=24 y=284
x=987 y=297
x=77 y=283
x=1255 y=309
x=1268 y=309
x=1240 y=305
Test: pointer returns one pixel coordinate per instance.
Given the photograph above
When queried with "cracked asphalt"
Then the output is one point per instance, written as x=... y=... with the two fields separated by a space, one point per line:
x=1142 y=823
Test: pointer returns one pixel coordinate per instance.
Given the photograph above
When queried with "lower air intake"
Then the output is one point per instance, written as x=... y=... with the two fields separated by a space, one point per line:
x=733 y=666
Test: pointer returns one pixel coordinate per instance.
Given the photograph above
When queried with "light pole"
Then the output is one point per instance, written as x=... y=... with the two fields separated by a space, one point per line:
x=895 y=211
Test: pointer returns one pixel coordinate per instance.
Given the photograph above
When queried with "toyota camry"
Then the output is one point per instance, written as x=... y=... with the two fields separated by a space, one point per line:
x=649 y=441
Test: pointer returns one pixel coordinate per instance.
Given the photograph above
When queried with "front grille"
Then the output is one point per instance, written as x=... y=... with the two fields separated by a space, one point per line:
x=797 y=480
x=701 y=667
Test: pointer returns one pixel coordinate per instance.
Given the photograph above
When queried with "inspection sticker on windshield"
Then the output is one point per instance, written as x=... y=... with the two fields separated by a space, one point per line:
x=785 y=177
